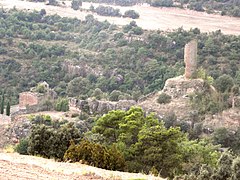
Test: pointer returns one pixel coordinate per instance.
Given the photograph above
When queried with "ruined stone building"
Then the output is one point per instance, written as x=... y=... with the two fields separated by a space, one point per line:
x=190 y=59
x=33 y=99
x=28 y=99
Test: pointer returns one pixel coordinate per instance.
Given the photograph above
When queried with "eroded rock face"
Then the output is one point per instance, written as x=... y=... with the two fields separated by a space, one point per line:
x=190 y=59
x=101 y=107
x=180 y=86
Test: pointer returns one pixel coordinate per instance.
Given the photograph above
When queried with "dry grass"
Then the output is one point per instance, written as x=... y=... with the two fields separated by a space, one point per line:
x=30 y=166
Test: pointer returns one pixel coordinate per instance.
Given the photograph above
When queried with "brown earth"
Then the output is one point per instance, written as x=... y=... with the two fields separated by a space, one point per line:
x=14 y=166
x=150 y=17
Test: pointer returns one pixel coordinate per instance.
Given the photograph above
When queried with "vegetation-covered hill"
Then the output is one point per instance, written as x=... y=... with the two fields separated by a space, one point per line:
x=83 y=58
x=135 y=62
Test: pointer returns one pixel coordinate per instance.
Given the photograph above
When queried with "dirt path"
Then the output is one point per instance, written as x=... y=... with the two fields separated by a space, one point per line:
x=150 y=17
x=15 y=166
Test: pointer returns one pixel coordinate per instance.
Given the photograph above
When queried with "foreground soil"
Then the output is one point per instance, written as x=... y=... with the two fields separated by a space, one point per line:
x=150 y=17
x=14 y=166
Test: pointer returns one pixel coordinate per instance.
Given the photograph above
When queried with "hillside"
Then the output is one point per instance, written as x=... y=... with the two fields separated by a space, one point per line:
x=131 y=98
x=103 y=57
x=14 y=166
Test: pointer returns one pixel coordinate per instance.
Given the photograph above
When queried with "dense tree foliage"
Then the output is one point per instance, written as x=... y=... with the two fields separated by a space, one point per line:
x=147 y=144
x=52 y=142
x=76 y=4
x=228 y=167
x=166 y=3
x=131 y=14
x=107 y=11
x=62 y=105
x=122 y=140
x=96 y=155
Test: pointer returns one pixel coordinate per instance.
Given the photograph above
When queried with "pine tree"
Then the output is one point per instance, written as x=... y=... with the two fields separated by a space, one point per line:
x=8 y=109
x=2 y=104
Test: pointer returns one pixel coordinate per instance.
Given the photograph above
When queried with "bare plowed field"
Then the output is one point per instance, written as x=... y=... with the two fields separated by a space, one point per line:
x=150 y=17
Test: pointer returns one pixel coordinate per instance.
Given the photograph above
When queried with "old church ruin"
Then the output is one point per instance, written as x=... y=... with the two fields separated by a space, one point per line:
x=190 y=59
x=36 y=96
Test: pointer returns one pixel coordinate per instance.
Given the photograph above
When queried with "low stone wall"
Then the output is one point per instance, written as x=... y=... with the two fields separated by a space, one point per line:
x=147 y=96
x=27 y=110
x=100 y=107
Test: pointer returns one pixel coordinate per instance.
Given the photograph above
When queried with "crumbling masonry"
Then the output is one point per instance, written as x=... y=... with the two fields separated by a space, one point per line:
x=190 y=59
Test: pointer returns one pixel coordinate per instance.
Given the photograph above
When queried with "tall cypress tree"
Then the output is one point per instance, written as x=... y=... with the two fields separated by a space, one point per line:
x=2 y=104
x=8 y=109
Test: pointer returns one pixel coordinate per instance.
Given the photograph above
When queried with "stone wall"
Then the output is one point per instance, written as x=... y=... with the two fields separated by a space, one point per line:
x=28 y=99
x=190 y=59
x=101 y=107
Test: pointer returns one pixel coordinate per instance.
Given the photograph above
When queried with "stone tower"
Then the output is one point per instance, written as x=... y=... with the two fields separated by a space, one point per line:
x=190 y=59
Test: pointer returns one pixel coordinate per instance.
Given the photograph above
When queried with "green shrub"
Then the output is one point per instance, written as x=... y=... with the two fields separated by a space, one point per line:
x=52 y=142
x=131 y=14
x=62 y=105
x=164 y=98
x=96 y=155
x=22 y=147
x=114 y=95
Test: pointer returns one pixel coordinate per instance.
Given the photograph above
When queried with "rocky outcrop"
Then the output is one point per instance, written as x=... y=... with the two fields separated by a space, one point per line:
x=100 y=107
x=229 y=118
x=80 y=69
x=181 y=87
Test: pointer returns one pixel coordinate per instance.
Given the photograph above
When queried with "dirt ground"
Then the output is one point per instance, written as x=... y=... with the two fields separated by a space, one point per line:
x=14 y=166
x=150 y=17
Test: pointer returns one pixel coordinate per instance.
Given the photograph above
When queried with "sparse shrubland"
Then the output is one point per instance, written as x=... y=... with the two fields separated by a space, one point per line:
x=129 y=60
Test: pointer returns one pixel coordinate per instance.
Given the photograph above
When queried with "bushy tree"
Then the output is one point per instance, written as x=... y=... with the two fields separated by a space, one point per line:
x=107 y=11
x=62 y=105
x=164 y=98
x=96 y=155
x=131 y=14
x=8 y=109
x=166 y=3
x=48 y=142
x=223 y=136
x=2 y=103
x=78 y=86
x=146 y=143
x=22 y=147
x=114 y=95
x=236 y=168
x=76 y=4
x=161 y=148
x=53 y=2
x=224 y=83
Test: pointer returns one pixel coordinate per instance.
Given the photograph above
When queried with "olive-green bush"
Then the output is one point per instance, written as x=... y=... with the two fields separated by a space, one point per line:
x=164 y=98
x=96 y=155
